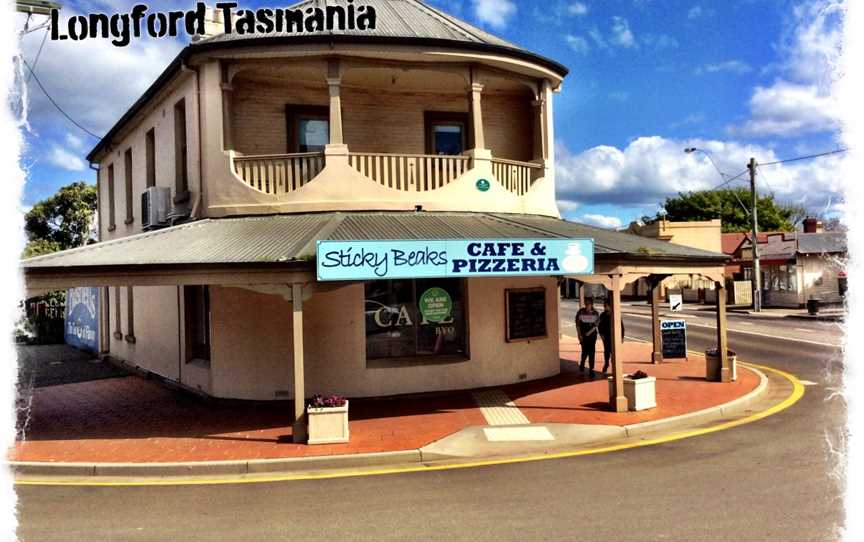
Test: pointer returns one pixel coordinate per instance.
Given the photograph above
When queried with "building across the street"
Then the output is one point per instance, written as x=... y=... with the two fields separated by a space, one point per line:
x=363 y=213
x=797 y=267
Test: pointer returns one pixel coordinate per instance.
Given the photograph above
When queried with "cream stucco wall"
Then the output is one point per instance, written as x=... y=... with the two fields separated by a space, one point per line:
x=252 y=345
x=159 y=335
x=160 y=117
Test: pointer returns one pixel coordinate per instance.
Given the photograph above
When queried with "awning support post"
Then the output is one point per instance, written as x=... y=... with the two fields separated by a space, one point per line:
x=722 y=339
x=618 y=401
x=299 y=429
x=656 y=337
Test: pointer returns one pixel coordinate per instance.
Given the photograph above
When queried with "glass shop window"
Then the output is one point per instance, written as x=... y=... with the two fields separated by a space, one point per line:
x=414 y=318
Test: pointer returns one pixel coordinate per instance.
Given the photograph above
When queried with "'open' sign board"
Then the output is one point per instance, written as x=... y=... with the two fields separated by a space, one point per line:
x=674 y=338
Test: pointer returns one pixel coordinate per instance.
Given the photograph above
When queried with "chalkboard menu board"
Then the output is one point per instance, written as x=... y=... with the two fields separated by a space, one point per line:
x=674 y=334
x=526 y=314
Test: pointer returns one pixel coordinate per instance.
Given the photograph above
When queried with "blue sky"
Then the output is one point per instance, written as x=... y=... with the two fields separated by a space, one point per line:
x=647 y=79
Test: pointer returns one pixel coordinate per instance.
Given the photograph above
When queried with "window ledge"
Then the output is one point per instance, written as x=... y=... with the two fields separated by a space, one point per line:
x=198 y=362
x=130 y=339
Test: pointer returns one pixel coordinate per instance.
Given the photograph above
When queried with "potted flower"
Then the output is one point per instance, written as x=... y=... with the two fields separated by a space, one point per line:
x=713 y=364
x=639 y=390
x=327 y=418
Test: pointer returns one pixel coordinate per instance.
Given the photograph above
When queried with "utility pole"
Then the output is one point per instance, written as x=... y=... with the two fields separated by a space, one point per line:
x=757 y=271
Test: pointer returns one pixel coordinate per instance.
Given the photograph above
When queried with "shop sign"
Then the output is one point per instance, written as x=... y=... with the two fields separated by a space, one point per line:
x=436 y=305
x=82 y=318
x=454 y=258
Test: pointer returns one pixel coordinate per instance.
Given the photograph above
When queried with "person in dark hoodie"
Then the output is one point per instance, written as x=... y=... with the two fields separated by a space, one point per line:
x=586 y=328
x=604 y=328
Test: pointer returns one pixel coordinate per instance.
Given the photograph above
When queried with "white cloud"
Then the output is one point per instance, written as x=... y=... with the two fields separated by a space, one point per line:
x=699 y=12
x=660 y=42
x=495 y=13
x=64 y=159
x=621 y=33
x=694 y=118
x=799 y=101
x=789 y=110
x=577 y=8
x=601 y=221
x=577 y=43
x=92 y=80
x=597 y=36
x=619 y=96
x=649 y=169
x=75 y=142
x=731 y=66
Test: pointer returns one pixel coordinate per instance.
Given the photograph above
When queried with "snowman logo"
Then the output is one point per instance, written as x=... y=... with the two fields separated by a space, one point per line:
x=574 y=260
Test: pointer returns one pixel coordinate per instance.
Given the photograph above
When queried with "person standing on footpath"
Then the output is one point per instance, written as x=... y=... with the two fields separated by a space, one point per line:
x=604 y=328
x=586 y=328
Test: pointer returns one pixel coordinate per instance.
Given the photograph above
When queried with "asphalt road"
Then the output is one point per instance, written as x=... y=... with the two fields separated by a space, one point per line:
x=768 y=480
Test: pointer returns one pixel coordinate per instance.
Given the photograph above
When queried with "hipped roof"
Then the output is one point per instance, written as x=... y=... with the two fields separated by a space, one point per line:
x=281 y=239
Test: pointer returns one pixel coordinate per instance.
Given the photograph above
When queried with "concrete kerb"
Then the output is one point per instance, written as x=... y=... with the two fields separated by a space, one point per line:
x=414 y=457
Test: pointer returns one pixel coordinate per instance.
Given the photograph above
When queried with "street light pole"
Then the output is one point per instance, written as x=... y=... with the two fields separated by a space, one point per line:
x=757 y=270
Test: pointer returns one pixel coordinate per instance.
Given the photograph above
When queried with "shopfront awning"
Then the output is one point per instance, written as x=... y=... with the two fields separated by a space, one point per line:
x=280 y=249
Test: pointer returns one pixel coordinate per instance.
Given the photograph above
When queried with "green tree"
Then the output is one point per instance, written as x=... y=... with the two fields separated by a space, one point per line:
x=61 y=221
x=723 y=204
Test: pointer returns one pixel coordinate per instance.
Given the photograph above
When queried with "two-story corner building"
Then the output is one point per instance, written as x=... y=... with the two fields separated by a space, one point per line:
x=217 y=185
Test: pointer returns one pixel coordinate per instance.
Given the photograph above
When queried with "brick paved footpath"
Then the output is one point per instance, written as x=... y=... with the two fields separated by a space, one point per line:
x=132 y=419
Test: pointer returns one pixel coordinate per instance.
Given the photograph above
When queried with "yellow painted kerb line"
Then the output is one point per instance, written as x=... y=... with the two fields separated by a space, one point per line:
x=797 y=393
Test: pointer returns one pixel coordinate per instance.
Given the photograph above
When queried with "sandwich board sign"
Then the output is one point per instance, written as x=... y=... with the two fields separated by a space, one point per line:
x=674 y=338
x=676 y=302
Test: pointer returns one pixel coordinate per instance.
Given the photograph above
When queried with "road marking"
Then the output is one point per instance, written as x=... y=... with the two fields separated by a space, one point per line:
x=809 y=383
x=498 y=409
x=805 y=330
x=745 y=332
x=794 y=397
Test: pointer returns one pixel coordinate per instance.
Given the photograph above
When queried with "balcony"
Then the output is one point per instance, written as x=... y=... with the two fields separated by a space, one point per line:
x=284 y=173
x=307 y=135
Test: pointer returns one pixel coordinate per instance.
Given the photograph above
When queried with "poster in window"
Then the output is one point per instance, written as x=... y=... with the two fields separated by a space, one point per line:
x=526 y=314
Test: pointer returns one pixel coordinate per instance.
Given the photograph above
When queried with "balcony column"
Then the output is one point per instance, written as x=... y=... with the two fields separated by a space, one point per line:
x=476 y=105
x=334 y=82
x=539 y=106
x=227 y=126
x=299 y=433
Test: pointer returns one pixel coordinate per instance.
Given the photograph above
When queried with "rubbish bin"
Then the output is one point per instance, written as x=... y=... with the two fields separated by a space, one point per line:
x=813 y=306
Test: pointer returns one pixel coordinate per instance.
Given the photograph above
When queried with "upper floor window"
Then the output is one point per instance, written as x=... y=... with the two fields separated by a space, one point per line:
x=446 y=133
x=111 y=223
x=127 y=163
x=308 y=128
x=181 y=158
x=150 y=151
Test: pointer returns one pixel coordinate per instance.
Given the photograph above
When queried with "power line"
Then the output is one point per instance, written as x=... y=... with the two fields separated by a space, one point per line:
x=838 y=151
x=771 y=188
x=38 y=53
x=54 y=103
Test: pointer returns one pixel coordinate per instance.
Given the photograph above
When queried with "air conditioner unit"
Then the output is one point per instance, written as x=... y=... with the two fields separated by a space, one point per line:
x=155 y=206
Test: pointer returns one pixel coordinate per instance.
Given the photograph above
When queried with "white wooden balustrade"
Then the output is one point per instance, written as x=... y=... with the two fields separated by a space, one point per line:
x=279 y=173
x=517 y=177
x=410 y=172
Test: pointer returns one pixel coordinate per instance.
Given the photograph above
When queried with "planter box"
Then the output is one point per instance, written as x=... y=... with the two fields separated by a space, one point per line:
x=640 y=393
x=328 y=425
x=712 y=368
